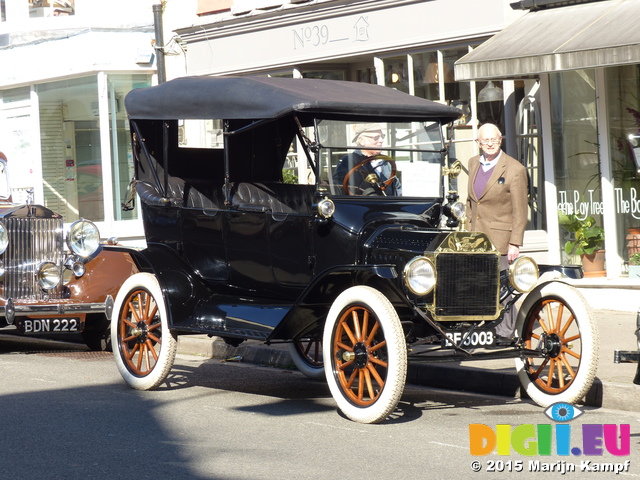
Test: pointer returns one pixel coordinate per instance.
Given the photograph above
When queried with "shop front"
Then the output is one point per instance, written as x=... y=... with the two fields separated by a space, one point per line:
x=409 y=45
x=588 y=71
x=64 y=129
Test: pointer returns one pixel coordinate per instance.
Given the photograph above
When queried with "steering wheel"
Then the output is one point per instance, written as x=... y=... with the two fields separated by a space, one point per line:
x=370 y=177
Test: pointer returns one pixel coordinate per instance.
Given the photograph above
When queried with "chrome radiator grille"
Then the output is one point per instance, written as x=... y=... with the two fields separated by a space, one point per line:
x=468 y=285
x=31 y=242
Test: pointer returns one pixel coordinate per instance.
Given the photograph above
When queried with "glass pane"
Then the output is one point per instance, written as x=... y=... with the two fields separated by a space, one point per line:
x=51 y=8
x=392 y=159
x=122 y=155
x=70 y=144
x=575 y=148
x=396 y=73
x=623 y=111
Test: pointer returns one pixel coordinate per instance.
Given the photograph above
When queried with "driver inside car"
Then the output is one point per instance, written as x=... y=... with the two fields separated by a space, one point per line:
x=373 y=177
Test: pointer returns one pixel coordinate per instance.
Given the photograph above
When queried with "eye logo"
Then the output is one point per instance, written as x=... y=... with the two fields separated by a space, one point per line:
x=562 y=412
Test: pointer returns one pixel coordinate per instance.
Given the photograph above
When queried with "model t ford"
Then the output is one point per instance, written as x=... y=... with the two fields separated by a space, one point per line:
x=363 y=251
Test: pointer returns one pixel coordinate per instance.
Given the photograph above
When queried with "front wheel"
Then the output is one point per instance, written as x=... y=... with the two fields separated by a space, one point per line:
x=143 y=346
x=556 y=319
x=365 y=354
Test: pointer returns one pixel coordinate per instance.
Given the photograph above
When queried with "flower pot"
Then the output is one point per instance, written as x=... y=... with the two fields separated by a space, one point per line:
x=593 y=265
x=633 y=240
x=634 y=272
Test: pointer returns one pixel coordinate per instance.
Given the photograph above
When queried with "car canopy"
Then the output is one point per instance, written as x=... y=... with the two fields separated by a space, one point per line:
x=229 y=98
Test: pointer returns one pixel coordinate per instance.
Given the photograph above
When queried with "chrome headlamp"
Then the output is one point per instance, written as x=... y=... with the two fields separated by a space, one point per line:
x=48 y=275
x=4 y=238
x=420 y=275
x=326 y=208
x=523 y=274
x=83 y=238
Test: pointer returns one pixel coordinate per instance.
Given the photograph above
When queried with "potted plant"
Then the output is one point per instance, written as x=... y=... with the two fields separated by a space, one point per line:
x=634 y=266
x=587 y=241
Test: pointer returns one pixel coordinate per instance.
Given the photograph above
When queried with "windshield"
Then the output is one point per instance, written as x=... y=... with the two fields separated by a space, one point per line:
x=381 y=159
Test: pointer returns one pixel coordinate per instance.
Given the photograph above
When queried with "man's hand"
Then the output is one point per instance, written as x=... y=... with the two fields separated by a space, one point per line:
x=513 y=252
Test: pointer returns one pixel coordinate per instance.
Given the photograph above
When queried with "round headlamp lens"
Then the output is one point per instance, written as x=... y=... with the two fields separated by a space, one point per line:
x=84 y=238
x=48 y=275
x=420 y=275
x=458 y=210
x=523 y=274
x=4 y=238
x=326 y=208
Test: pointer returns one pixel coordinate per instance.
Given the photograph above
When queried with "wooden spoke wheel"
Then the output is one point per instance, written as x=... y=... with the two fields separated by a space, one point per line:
x=306 y=353
x=556 y=321
x=144 y=348
x=365 y=354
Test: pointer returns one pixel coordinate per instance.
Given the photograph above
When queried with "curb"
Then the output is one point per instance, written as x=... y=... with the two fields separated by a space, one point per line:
x=502 y=382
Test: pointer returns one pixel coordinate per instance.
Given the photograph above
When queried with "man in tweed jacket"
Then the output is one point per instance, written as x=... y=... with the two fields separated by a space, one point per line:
x=497 y=203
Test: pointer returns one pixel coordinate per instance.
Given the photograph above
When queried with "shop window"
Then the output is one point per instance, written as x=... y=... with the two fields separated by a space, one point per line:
x=623 y=112
x=529 y=153
x=120 y=136
x=575 y=147
x=51 y=8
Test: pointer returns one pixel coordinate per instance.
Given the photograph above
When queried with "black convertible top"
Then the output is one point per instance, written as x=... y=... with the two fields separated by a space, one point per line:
x=231 y=98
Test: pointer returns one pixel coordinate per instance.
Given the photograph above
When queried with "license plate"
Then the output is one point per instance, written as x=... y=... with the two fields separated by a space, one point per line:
x=466 y=339
x=34 y=326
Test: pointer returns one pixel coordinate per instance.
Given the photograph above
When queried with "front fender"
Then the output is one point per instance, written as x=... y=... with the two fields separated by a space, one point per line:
x=311 y=308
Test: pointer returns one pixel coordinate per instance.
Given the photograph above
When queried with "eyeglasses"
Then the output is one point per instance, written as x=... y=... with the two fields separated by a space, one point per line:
x=375 y=138
x=490 y=141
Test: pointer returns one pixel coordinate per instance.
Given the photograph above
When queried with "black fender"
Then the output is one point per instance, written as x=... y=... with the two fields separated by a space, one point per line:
x=310 y=309
x=181 y=289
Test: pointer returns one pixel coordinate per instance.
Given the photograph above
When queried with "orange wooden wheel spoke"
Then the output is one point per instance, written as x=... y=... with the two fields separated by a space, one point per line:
x=560 y=373
x=152 y=350
x=360 y=384
x=349 y=333
x=570 y=339
x=344 y=347
x=572 y=353
x=367 y=377
x=356 y=326
x=149 y=318
x=552 y=368
x=567 y=325
x=133 y=351
x=346 y=365
x=365 y=326
x=568 y=366
x=537 y=373
x=376 y=375
x=155 y=339
x=378 y=346
x=372 y=334
x=352 y=378
x=141 y=354
x=376 y=360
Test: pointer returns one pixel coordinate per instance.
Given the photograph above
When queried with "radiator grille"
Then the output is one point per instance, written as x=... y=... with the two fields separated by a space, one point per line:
x=467 y=285
x=31 y=242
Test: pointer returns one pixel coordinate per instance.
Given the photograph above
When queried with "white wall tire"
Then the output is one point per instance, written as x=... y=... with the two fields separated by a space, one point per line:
x=365 y=354
x=558 y=315
x=143 y=346
x=307 y=356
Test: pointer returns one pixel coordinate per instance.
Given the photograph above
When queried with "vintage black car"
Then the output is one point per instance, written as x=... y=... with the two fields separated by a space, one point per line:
x=378 y=270
x=54 y=281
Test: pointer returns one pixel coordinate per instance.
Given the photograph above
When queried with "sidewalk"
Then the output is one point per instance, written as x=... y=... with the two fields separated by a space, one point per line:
x=613 y=387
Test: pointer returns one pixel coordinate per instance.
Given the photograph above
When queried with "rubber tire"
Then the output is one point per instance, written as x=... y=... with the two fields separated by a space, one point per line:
x=395 y=353
x=158 y=371
x=314 y=371
x=583 y=378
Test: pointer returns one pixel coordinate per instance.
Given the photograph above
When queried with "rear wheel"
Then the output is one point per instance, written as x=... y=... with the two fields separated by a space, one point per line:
x=306 y=353
x=143 y=346
x=365 y=354
x=557 y=320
